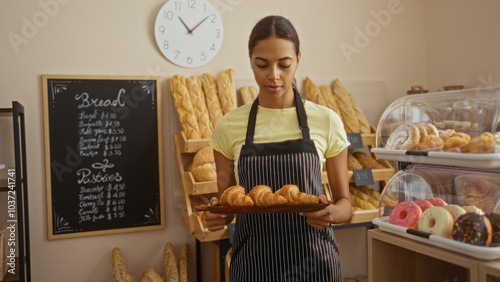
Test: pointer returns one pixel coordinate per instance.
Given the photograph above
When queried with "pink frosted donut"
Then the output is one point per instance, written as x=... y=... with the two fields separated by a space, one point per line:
x=405 y=214
x=436 y=201
x=423 y=204
x=436 y=220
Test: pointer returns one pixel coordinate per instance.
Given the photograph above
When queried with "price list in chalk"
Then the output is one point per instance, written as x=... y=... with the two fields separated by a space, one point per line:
x=102 y=193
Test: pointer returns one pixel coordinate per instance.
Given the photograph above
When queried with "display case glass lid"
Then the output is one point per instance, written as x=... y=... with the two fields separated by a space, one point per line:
x=456 y=128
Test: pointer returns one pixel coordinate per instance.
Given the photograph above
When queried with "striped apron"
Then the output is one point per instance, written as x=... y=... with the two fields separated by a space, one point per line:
x=282 y=247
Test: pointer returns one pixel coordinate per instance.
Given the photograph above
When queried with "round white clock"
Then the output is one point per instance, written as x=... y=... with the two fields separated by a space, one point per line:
x=189 y=33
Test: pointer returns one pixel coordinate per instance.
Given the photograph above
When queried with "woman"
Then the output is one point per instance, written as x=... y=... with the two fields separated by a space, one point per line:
x=278 y=140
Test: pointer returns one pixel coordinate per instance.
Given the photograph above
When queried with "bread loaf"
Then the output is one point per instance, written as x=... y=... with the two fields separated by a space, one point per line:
x=120 y=269
x=349 y=118
x=366 y=161
x=199 y=103
x=149 y=275
x=183 y=263
x=211 y=97
x=203 y=167
x=171 y=270
x=248 y=94
x=312 y=92
x=226 y=90
x=353 y=163
x=184 y=108
x=364 y=125
x=327 y=93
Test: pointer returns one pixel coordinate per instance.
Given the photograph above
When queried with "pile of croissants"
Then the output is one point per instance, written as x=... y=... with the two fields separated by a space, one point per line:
x=262 y=195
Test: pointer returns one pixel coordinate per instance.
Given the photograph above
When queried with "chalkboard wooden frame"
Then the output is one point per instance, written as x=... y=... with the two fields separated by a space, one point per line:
x=103 y=154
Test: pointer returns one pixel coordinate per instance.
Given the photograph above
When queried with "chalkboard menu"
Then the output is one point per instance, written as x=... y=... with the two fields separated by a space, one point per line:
x=103 y=155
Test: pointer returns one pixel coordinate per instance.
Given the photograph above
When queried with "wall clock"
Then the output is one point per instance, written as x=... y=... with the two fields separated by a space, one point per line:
x=189 y=33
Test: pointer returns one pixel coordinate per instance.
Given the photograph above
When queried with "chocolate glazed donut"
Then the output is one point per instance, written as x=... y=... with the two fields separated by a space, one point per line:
x=495 y=225
x=473 y=229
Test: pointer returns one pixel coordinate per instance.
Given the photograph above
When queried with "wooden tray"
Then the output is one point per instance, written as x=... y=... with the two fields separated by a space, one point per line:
x=261 y=209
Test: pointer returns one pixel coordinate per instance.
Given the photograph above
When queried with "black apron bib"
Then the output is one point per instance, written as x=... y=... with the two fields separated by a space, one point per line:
x=282 y=247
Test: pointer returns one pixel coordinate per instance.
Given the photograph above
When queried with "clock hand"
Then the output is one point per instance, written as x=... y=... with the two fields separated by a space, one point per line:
x=199 y=24
x=184 y=24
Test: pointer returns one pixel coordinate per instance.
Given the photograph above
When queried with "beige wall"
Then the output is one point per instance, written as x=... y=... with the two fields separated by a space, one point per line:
x=401 y=43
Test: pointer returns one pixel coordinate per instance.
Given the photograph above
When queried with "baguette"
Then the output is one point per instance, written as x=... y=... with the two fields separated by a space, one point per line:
x=171 y=270
x=327 y=93
x=184 y=108
x=364 y=125
x=351 y=123
x=367 y=162
x=183 y=263
x=200 y=106
x=312 y=92
x=226 y=90
x=353 y=163
x=120 y=269
x=149 y=275
x=212 y=98
x=248 y=94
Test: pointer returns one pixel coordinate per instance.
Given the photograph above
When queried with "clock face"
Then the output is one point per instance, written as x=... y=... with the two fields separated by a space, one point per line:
x=189 y=33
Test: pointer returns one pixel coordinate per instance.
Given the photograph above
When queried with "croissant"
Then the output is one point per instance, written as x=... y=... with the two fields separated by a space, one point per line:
x=235 y=196
x=262 y=195
x=295 y=197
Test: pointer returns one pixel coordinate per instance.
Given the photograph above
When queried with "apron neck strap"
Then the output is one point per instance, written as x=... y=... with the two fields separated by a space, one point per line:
x=301 y=115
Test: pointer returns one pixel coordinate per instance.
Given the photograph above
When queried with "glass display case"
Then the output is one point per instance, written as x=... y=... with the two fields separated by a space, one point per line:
x=454 y=128
x=456 y=191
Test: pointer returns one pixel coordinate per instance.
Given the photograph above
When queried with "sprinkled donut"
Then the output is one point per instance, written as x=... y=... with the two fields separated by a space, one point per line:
x=436 y=220
x=473 y=229
x=436 y=201
x=473 y=209
x=405 y=214
x=404 y=137
x=423 y=204
x=495 y=229
x=455 y=210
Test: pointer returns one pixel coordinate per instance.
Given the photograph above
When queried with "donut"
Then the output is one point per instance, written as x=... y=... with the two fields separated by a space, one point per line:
x=404 y=137
x=473 y=209
x=495 y=228
x=405 y=214
x=436 y=201
x=431 y=129
x=455 y=210
x=444 y=134
x=422 y=131
x=436 y=220
x=473 y=229
x=423 y=204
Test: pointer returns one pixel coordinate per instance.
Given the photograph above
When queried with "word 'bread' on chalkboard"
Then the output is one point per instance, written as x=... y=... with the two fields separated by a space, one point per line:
x=103 y=155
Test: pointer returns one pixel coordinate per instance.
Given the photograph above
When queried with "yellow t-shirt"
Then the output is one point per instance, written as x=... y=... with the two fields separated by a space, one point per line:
x=276 y=125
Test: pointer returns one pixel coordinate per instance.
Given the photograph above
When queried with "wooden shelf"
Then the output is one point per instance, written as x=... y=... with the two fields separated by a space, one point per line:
x=395 y=258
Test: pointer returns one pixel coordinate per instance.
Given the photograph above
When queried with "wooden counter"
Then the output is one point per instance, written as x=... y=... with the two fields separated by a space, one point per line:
x=395 y=258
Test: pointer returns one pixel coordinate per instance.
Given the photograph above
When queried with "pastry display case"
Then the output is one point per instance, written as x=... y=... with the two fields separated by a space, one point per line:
x=453 y=128
x=445 y=207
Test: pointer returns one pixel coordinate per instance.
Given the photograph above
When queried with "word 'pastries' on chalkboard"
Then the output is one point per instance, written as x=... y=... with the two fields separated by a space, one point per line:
x=103 y=154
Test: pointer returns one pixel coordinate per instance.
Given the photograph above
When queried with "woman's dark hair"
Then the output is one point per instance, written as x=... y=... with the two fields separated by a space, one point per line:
x=273 y=26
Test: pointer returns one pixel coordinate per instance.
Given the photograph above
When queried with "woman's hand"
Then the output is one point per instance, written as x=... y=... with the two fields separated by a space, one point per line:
x=215 y=221
x=321 y=218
